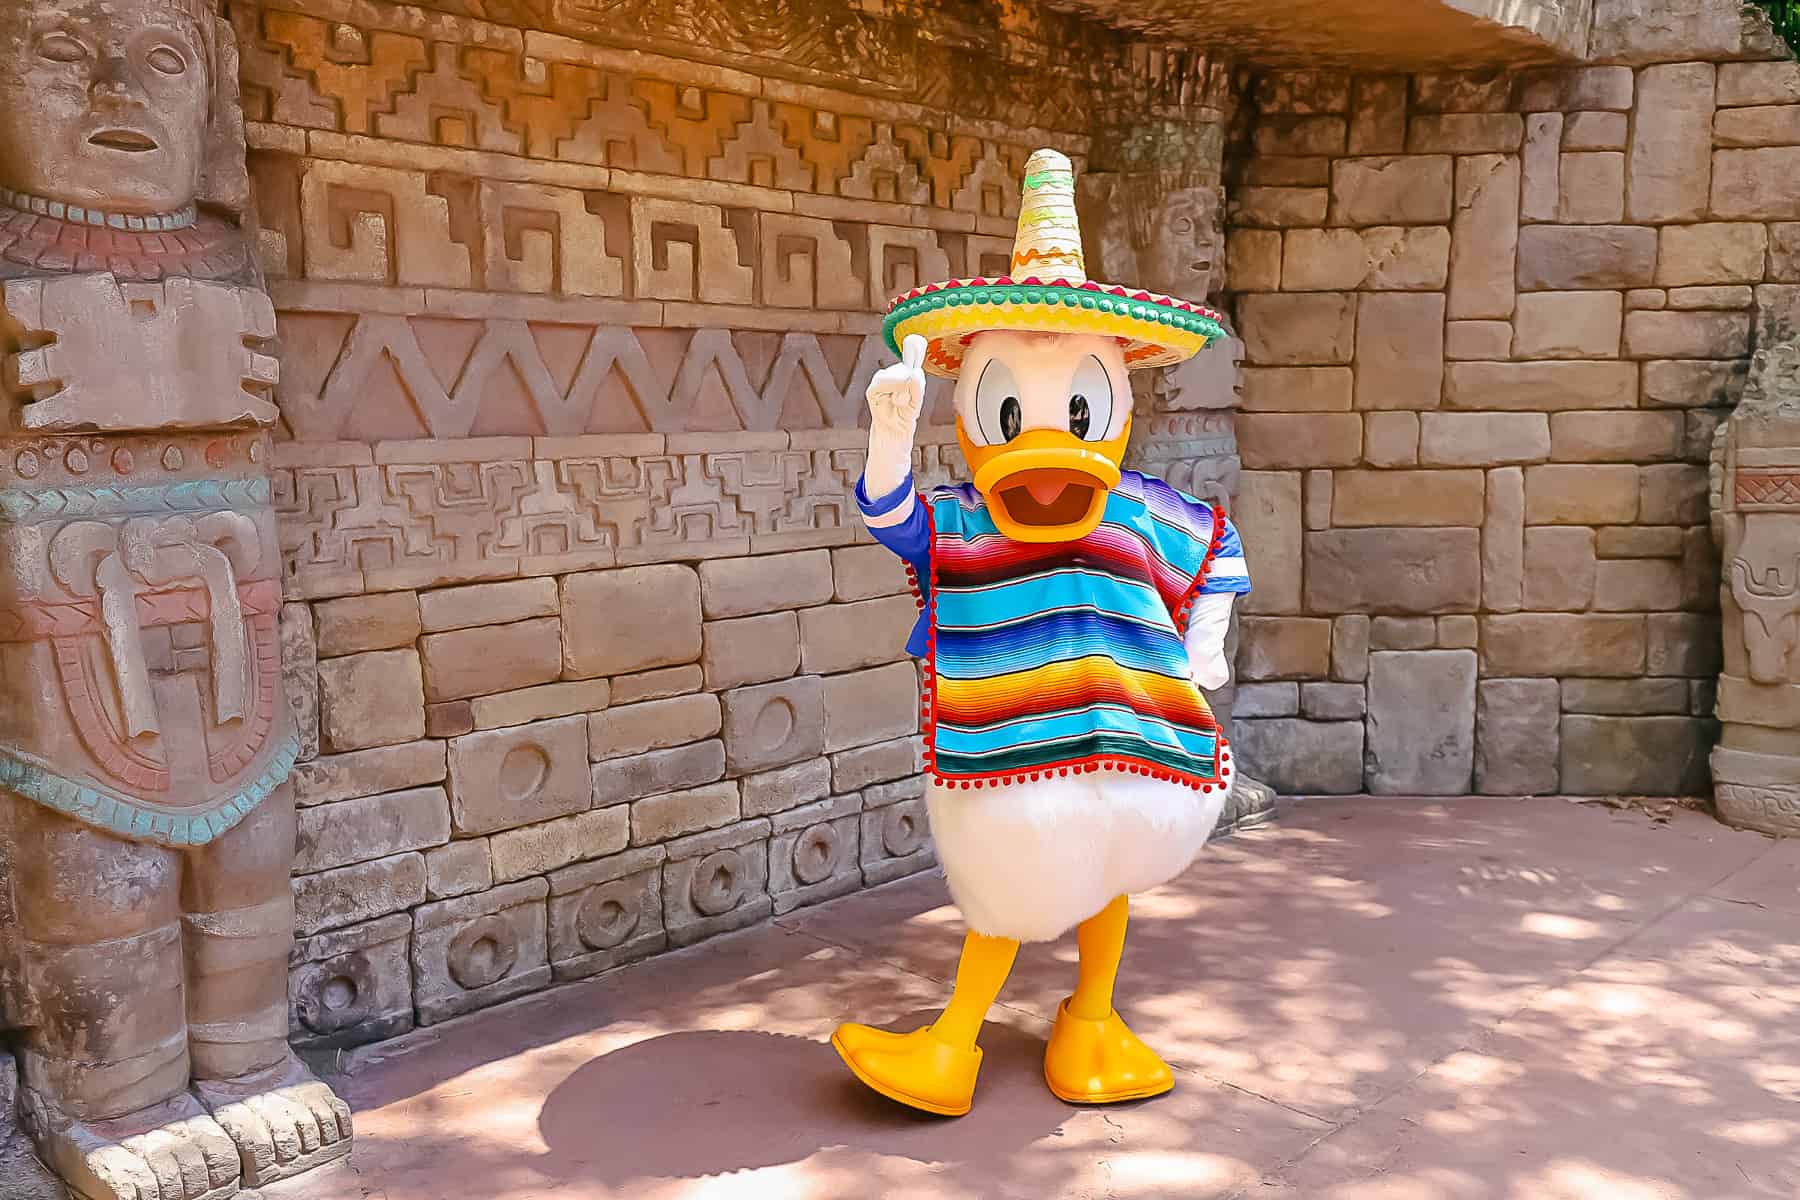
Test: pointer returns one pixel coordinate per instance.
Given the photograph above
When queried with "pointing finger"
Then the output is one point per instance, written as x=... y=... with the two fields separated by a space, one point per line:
x=912 y=351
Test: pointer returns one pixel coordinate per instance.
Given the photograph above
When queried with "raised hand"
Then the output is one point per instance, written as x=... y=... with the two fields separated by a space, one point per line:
x=896 y=394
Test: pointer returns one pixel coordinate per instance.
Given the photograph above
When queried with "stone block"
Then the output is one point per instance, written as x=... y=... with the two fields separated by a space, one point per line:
x=1465 y=133
x=1687 y=335
x=1720 y=252
x=355 y=624
x=1616 y=436
x=539 y=849
x=788 y=787
x=675 y=814
x=1503 y=541
x=766 y=583
x=1563 y=89
x=458 y=869
x=1562 y=258
x=1554 y=644
x=653 y=725
x=845 y=637
x=1267 y=514
x=1728 y=297
x=1699 y=384
x=1283 y=647
x=1421 y=726
x=1266 y=700
x=620 y=780
x=750 y=650
x=1485 y=237
x=1540 y=386
x=451 y=718
x=1784 y=252
x=1560 y=567
x=856 y=769
x=633 y=619
x=896 y=840
x=1744 y=84
x=871 y=706
x=774 y=724
x=1299 y=440
x=1631 y=31
x=1460 y=631
x=492 y=658
x=1541 y=195
x=1385 y=258
x=351 y=986
x=606 y=913
x=1766 y=125
x=1308 y=170
x=1303 y=758
x=815 y=853
x=539 y=703
x=1350 y=637
x=1333 y=701
x=716 y=882
x=1640 y=541
x=477 y=951
x=1672 y=494
x=1425 y=498
x=372 y=699
x=1253 y=260
x=502 y=603
x=1297 y=329
x=1684 y=644
x=1378 y=115
x=1625 y=697
x=1400 y=350
x=504 y=778
x=1466 y=341
x=1568 y=325
x=1635 y=756
x=354 y=894
x=1517 y=733
x=353 y=831
x=1391 y=190
x=1391 y=439
x=1591 y=188
x=1318 y=499
x=1296 y=389
x=300 y=673
x=368 y=772
x=1646 y=298
x=1300 y=135
x=1403 y=633
x=1570 y=494
x=657 y=685
x=1393 y=570
x=1280 y=207
x=1756 y=185
x=1482 y=439
x=1671 y=143
x=1596 y=131
x=862 y=573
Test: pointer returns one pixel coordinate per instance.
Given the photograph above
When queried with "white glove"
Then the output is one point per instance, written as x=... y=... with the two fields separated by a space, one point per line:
x=1209 y=619
x=896 y=396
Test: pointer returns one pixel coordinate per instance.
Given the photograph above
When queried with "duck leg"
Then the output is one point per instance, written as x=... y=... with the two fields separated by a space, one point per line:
x=1093 y=1058
x=934 y=1068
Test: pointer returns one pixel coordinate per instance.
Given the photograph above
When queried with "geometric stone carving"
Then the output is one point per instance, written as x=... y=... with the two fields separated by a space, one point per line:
x=352 y=986
x=606 y=913
x=1755 y=494
x=686 y=251
x=378 y=225
x=896 y=832
x=715 y=882
x=545 y=240
x=479 y=950
x=815 y=853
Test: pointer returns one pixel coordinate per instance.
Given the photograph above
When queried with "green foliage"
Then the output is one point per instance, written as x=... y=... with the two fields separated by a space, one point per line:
x=1785 y=14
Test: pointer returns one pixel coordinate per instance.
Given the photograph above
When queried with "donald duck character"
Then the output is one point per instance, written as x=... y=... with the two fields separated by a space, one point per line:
x=1071 y=612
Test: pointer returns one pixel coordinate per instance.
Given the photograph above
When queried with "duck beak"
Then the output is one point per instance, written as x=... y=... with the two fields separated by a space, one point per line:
x=1046 y=485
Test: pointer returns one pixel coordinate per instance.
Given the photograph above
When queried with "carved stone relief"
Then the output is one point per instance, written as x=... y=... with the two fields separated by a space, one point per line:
x=1756 y=520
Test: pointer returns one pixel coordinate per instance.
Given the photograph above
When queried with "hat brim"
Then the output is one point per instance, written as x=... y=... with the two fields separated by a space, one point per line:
x=1158 y=331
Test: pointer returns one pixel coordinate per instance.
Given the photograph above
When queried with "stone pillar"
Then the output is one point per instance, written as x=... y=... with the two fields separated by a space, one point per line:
x=1756 y=521
x=146 y=824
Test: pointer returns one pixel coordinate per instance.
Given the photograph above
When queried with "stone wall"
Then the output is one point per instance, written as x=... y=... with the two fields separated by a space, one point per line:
x=1491 y=322
x=577 y=307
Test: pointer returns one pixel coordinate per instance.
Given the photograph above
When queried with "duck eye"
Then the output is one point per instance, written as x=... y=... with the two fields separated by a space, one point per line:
x=999 y=416
x=1091 y=401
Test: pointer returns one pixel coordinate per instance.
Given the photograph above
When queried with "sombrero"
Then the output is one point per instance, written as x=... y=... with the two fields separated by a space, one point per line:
x=1048 y=291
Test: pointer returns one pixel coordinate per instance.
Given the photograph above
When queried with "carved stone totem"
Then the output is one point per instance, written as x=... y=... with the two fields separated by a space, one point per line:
x=146 y=826
x=1756 y=522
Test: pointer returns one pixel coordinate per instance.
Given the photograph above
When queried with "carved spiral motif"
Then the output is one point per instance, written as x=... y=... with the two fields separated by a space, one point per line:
x=902 y=832
x=816 y=853
x=608 y=916
x=483 y=952
x=718 y=883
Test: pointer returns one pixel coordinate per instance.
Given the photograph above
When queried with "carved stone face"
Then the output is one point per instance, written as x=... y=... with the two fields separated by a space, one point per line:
x=1181 y=251
x=103 y=103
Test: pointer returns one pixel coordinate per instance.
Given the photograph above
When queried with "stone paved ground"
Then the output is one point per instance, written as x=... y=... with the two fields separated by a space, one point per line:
x=1375 y=999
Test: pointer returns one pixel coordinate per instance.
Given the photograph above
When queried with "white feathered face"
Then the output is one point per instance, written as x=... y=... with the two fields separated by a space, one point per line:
x=1043 y=420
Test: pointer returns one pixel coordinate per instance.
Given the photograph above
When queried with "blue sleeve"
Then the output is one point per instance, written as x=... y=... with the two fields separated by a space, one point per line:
x=1229 y=572
x=901 y=522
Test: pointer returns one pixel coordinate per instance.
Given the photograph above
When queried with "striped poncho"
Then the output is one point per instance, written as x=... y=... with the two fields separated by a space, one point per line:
x=1065 y=656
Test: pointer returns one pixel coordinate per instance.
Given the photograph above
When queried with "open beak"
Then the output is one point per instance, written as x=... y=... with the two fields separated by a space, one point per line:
x=1046 y=485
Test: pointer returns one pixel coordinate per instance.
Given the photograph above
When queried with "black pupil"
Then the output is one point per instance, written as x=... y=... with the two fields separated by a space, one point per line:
x=1010 y=418
x=1078 y=415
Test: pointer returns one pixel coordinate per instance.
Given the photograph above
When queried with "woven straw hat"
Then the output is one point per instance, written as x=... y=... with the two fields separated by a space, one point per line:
x=1048 y=291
